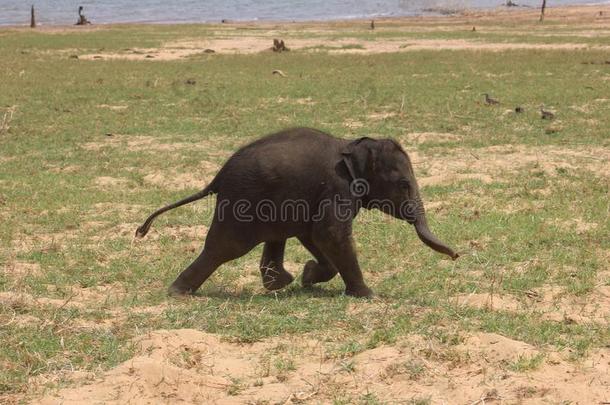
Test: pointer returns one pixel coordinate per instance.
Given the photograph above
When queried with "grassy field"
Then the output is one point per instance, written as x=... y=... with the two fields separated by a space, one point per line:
x=88 y=148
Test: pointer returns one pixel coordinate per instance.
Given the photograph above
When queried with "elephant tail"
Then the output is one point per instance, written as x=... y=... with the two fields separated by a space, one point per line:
x=143 y=229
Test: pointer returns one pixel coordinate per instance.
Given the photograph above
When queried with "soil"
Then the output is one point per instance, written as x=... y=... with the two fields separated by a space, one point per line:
x=190 y=366
x=494 y=163
x=549 y=302
x=231 y=39
x=250 y=45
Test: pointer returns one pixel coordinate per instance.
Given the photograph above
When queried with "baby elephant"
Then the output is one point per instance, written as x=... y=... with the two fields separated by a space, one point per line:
x=306 y=184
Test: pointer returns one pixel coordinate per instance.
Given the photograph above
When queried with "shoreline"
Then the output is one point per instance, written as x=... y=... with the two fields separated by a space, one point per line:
x=498 y=14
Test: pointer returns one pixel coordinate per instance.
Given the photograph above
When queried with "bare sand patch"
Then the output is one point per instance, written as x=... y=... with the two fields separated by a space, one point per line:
x=305 y=101
x=65 y=169
x=195 y=367
x=148 y=54
x=113 y=107
x=101 y=294
x=107 y=181
x=496 y=348
x=22 y=320
x=250 y=45
x=133 y=142
x=353 y=123
x=43 y=242
x=298 y=101
x=76 y=297
x=455 y=177
x=25 y=300
x=426 y=137
x=496 y=162
x=6 y=159
x=489 y=302
x=556 y=305
x=119 y=208
x=144 y=143
x=380 y=116
x=128 y=229
x=174 y=180
x=552 y=303
x=17 y=270
x=577 y=225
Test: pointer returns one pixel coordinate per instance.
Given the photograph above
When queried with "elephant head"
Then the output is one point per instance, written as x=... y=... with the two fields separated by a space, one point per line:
x=383 y=178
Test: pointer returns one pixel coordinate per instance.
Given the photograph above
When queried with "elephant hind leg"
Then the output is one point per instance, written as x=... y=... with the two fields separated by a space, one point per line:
x=318 y=271
x=221 y=246
x=272 y=266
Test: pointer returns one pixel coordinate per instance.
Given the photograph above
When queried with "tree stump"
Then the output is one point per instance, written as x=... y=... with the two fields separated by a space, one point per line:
x=279 y=46
x=32 y=19
x=542 y=8
x=82 y=20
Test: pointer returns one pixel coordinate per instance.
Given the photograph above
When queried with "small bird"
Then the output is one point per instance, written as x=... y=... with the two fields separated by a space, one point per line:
x=546 y=115
x=372 y=24
x=474 y=29
x=519 y=109
x=489 y=100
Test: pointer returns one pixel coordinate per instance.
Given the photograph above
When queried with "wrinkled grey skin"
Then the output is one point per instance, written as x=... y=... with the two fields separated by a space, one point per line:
x=312 y=167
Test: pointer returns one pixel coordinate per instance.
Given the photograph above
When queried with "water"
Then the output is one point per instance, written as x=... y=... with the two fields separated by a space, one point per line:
x=50 y=12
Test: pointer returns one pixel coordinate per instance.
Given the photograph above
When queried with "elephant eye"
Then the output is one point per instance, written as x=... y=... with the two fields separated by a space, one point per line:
x=404 y=183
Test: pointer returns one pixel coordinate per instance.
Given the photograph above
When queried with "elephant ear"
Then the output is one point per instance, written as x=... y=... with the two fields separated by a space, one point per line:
x=360 y=157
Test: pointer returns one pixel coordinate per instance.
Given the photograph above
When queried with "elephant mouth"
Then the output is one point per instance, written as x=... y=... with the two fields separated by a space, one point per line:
x=410 y=211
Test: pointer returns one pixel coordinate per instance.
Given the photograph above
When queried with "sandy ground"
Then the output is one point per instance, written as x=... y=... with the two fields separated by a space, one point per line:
x=244 y=45
x=189 y=366
x=233 y=38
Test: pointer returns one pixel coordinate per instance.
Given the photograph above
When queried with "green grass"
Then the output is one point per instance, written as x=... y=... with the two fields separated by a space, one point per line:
x=510 y=230
x=527 y=363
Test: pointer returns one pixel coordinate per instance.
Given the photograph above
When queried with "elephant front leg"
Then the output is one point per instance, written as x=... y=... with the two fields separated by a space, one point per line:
x=272 y=266
x=336 y=244
x=318 y=271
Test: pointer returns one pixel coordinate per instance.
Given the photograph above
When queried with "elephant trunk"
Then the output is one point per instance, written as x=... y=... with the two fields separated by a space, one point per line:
x=426 y=236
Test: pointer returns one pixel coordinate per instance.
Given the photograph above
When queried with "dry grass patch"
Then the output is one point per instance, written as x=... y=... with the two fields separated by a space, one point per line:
x=144 y=143
x=76 y=297
x=495 y=163
x=417 y=138
x=552 y=303
x=50 y=242
x=109 y=182
x=173 y=180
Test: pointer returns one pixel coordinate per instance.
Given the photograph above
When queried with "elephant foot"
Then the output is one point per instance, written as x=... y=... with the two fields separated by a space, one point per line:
x=359 y=292
x=177 y=290
x=274 y=279
x=315 y=273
